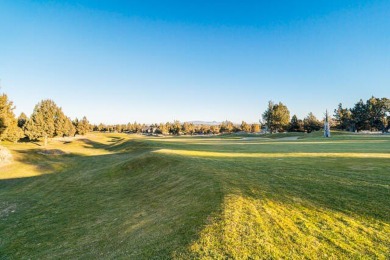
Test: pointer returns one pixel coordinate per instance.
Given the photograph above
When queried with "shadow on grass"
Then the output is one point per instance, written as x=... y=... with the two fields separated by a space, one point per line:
x=115 y=144
x=129 y=203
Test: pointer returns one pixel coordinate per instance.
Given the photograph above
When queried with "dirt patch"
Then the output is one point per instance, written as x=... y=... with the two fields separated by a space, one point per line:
x=5 y=156
x=51 y=152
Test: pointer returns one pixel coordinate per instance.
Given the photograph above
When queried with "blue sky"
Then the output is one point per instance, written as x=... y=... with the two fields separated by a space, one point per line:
x=157 y=61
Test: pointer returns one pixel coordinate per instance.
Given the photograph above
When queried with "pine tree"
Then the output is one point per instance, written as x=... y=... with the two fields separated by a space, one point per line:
x=268 y=116
x=378 y=108
x=276 y=117
x=69 y=129
x=281 y=117
x=296 y=125
x=311 y=123
x=82 y=126
x=22 y=119
x=361 y=116
x=47 y=121
x=343 y=118
x=9 y=129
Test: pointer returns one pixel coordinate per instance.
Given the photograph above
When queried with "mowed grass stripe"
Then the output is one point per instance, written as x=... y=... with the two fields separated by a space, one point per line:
x=272 y=155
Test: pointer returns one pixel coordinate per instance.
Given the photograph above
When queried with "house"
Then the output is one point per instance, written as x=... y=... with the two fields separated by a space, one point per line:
x=149 y=130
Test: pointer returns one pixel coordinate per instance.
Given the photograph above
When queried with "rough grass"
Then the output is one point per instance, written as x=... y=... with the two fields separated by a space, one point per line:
x=249 y=228
x=120 y=196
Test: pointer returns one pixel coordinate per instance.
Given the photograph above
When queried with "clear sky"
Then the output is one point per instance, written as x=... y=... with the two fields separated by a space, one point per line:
x=156 y=61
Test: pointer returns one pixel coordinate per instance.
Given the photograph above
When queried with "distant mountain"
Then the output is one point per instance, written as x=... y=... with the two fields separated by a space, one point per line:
x=204 y=122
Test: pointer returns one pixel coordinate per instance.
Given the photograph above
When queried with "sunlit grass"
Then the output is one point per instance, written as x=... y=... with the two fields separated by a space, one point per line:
x=250 y=228
x=272 y=155
x=29 y=159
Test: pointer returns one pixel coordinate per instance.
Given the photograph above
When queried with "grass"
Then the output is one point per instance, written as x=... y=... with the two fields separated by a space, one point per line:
x=126 y=196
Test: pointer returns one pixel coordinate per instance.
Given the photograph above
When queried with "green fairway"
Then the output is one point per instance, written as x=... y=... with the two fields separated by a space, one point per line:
x=127 y=196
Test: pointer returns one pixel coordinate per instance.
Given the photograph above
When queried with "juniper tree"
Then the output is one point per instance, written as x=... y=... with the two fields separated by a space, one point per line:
x=226 y=127
x=255 y=128
x=175 y=127
x=188 y=128
x=245 y=127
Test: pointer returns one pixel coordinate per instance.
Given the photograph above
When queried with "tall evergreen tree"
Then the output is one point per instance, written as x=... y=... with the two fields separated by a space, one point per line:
x=343 y=118
x=360 y=116
x=378 y=110
x=268 y=116
x=388 y=123
x=276 y=117
x=47 y=121
x=9 y=129
x=69 y=129
x=281 y=117
x=82 y=126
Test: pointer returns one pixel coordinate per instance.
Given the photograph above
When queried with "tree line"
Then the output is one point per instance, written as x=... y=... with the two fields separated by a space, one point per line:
x=178 y=128
x=276 y=118
x=372 y=115
x=48 y=120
